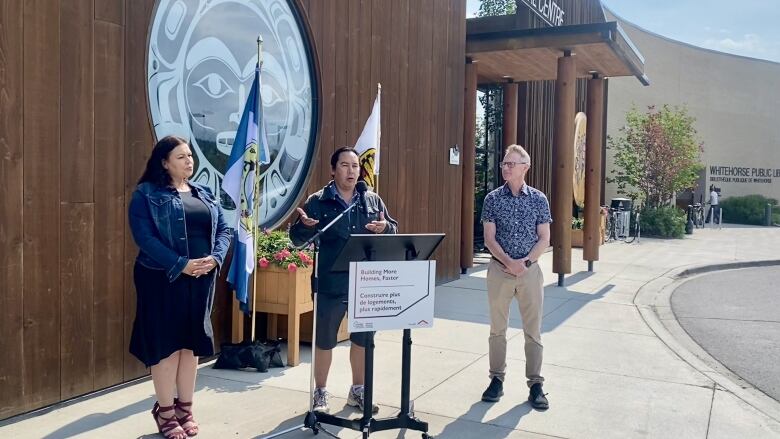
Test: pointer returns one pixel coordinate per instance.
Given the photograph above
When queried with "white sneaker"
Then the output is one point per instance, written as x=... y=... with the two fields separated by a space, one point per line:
x=321 y=397
x=355 y=399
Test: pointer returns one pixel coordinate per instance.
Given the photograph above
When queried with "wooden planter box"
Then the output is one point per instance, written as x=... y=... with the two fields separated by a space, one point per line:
x=281 y=293
x=576 y=237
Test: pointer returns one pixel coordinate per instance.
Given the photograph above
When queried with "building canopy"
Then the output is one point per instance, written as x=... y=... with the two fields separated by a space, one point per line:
x=504 y=51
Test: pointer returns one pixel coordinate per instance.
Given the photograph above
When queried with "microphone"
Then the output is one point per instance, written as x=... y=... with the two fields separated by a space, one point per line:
x=361 y=187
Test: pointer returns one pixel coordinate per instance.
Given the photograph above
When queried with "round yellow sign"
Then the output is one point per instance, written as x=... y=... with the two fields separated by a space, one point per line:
x=580 y=122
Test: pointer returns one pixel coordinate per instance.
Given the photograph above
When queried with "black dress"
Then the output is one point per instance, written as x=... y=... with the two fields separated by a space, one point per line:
x=173 y=316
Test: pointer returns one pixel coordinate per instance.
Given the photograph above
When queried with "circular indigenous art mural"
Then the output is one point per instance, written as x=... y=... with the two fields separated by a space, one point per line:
x=580 y=123
x=200 y=67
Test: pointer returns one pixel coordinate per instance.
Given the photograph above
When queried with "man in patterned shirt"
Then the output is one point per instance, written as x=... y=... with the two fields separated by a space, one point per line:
x=516 y=219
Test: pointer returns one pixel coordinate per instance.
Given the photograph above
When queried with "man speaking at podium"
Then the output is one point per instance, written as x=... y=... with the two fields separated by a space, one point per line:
x=369 y=215
x=516 y=219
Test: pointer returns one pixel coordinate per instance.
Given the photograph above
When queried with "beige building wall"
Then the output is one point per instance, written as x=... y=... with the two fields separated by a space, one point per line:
x=734 y=99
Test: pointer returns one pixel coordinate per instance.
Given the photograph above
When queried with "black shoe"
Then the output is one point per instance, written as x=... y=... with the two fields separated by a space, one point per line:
x=537 y=398
x=494 y=392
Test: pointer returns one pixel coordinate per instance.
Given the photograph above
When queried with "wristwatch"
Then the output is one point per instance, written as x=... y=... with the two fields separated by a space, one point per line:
x=529 y=262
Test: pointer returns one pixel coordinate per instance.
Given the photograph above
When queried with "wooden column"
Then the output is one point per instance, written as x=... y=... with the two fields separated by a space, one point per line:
x=594 y=140
x=563 y=165
x=522 y=113
x=510 y=114
x=467 y=161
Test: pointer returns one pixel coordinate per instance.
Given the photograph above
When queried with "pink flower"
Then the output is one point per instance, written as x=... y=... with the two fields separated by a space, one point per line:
x=291 y=267
x=266 y=232
x=279 y=256
x=263 y=262
x=285 y=253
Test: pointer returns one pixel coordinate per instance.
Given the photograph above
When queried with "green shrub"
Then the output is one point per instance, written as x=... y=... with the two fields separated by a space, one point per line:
x=747 y=210
x=663 y=222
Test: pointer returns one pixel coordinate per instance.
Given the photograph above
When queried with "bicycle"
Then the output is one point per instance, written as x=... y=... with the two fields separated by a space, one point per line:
x=697 y=215
x=637 y=229
x=619 y=226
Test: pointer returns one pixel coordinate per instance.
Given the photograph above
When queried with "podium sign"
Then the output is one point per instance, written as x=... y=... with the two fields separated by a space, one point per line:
x=391 y=295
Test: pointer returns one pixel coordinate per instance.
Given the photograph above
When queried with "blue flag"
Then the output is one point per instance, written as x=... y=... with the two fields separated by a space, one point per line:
x=242 y=184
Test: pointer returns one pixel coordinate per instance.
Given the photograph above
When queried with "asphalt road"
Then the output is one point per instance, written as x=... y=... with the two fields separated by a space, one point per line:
x=735 y=316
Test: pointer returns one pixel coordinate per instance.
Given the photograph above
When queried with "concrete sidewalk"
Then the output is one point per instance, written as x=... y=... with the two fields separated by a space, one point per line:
x=616 y=366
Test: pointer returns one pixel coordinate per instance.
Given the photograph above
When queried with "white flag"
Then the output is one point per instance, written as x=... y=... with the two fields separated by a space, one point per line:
x=367 y=144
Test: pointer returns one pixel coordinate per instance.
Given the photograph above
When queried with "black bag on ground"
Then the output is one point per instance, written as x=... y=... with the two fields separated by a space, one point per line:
x=258 y=355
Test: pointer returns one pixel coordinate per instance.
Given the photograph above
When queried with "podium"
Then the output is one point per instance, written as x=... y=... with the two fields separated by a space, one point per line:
x=371 y=247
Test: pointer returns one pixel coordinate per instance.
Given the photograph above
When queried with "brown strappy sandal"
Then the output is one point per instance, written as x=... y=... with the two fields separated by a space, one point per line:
x=194 y=429
x=168 y=428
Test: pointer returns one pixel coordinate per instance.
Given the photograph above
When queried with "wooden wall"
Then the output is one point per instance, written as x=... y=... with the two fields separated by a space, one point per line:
x=415 y=49
x=75 y=135
x=62 y=215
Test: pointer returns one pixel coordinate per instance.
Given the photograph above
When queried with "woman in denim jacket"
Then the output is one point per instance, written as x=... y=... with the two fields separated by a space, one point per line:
x=183 y=238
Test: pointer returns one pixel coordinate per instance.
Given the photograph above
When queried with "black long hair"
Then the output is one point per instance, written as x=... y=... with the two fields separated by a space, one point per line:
x=154 y=172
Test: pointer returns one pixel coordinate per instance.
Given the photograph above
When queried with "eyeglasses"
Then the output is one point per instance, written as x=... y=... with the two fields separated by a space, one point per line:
x=511 y=165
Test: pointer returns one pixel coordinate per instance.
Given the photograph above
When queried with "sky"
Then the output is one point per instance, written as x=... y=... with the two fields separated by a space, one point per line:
x=742 y=27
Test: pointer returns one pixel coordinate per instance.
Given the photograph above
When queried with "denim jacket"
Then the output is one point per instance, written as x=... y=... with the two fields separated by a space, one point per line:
x=323 y=206
x=157 y=223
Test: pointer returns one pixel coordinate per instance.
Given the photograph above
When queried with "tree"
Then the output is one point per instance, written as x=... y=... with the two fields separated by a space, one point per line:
x=656 y=155
x=489 y=8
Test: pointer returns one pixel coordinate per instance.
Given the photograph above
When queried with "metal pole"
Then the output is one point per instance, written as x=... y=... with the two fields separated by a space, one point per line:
x=256 y=201
x=378 y=135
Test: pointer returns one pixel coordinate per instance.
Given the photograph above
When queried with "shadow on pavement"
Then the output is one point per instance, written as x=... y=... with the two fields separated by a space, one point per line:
x=297 y=420
x=478 y=410
x=97 y=420
x=467 y=304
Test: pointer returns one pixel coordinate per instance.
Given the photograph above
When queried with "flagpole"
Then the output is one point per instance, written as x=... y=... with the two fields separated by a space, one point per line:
x=256 y=202
x=378 y=135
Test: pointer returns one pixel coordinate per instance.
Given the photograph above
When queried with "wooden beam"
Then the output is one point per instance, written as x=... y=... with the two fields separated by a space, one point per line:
x=510 y=114
x=594 y=137
x=41 y=209
x=498 y=42
x=12 y=146
x=467 y=158
x=563 y=165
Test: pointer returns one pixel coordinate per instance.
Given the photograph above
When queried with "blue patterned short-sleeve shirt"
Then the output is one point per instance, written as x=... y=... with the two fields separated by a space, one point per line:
x=516 y=218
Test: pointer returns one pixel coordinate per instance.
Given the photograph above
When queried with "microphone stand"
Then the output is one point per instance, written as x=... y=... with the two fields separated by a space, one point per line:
x=310 y=420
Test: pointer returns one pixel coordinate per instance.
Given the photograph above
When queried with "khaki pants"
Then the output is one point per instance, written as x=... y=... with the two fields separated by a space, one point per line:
x=529 y=291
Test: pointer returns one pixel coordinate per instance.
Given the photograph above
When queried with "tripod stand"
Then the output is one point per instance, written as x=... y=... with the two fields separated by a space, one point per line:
x=310 y=420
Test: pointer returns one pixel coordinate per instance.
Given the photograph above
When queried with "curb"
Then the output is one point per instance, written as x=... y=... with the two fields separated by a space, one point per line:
x=687 y=272
x=653 y=300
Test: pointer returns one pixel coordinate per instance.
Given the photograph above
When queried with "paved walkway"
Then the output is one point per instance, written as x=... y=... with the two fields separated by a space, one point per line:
x=617 y=365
